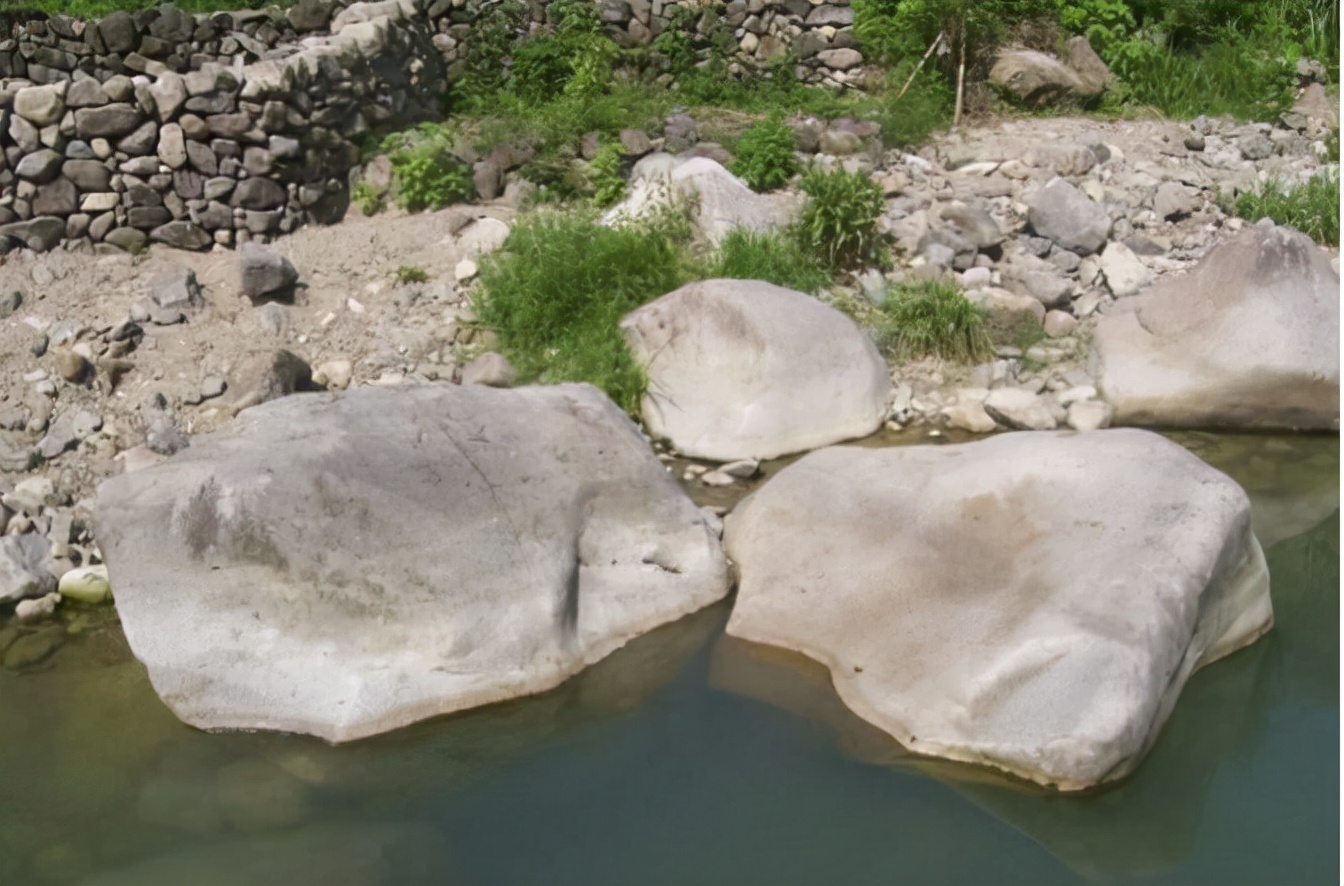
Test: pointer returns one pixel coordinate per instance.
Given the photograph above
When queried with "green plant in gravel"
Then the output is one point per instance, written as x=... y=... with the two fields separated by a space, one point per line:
x=765 y=158
x=556 y=292
x=838 y=223
x=410 y=274
x=750 y=255
x=605 y=173
x=367 y=198
x=1312 y=207
x=933 y=318
x=93 y=9
x=426 y=174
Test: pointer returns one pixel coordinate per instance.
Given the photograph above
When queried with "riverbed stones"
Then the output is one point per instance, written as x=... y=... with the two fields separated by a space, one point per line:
x=1249 y=338
x=1106 y=567
x=23 y=571
x=266 y=274
x=746 y=369
x=422 y=550
x=1065 y=215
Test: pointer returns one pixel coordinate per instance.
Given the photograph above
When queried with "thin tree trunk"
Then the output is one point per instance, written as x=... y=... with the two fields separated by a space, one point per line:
x=961 y=80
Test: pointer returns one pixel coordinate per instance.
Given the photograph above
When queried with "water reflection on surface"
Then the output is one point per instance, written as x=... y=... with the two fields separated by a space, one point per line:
x=690 y=757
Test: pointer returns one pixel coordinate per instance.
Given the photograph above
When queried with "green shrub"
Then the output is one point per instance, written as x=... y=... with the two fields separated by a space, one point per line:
x=606 y=176
x=369 y=201
x=556 y=292
x=909 y=119
x=426 y=173
x=1311 y=207
x=410 y=274
x=933 y=318
x=838 y=223
x=765 y=158
x=748 y=255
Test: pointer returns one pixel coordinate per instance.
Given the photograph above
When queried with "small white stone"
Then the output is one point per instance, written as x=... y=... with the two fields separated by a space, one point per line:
x=466 y=269
x=87 y=584
x=354 y=306
x=37 y=608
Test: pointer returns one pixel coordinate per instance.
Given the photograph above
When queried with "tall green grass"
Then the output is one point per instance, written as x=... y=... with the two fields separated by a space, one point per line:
x=749 y=255
x=933 y=318
x=1312 y=207
x=557 y=291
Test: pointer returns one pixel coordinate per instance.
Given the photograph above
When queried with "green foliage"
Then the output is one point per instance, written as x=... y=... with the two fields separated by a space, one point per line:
x=765 y=158
x=556 y=292
x=1312 y=207
x=897 y=31
x=605 y=173
x=838 y=224
x=426 y=173
x=369 y=201
x=909 y=119
x=748 y=255
x=574 y=58
x=410 y=274
x=493 y=34
x=933 y=318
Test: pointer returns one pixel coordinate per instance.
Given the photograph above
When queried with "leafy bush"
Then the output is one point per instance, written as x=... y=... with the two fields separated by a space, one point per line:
x=1311 y=207
x=426 y=174
x=367 y=198
x=933 y=318
x=605 y=173
x=556 y=292
x=765 y=158
x=748 y=255
x=910 y=118
x=838 y=224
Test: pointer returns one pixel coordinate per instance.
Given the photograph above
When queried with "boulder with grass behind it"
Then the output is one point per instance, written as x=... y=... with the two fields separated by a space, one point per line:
x=344 y=564
x=746 y=369
x=1033 y=602
x=1248 y=339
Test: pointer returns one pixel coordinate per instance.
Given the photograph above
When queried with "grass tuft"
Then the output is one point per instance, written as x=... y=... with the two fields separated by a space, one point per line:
x=749 y=255
x=556 y=292
x=933 y=318
x=1312 y=207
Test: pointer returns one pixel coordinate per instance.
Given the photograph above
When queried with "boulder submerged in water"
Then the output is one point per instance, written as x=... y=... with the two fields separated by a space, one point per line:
x=1034 y=602
x=1248 y=339
x=344 y=565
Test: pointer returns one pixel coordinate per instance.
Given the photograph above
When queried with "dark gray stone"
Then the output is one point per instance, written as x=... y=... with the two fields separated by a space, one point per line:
x=60 y=197
x=143 y=140
x=38 y=234
x=146 y=217
x=40 y=166
x=127 y=239
x=202 y=158
x=182 y=235
x=229 y=126
x=108 y=121
x=118 y=32
x=258 y=193
x=188 y=184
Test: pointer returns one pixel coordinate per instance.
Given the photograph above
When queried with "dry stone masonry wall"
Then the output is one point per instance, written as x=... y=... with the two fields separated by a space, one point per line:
x=194 y=130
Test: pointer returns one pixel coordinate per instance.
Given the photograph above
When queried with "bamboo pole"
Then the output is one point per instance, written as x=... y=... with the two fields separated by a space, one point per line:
x=928 y=52
x=961 y=80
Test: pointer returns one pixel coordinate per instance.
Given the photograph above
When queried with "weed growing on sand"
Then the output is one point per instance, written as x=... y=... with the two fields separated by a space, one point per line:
x=838 y=224
x=933 y=317
x=556 y=292
x=410 y=274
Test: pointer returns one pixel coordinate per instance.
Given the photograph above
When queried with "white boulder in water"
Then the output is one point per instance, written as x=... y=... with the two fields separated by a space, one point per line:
x=1248 y=339
x=1033 y=602
x=345 y=564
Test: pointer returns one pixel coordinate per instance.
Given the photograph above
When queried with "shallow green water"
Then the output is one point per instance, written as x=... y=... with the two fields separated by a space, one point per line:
x=688 y=758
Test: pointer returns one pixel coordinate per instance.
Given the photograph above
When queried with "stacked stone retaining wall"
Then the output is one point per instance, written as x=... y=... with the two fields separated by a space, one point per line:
x=196 y=130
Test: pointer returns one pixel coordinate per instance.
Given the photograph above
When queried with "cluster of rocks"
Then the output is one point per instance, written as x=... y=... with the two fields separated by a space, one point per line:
x=817 y=37
x=195 y=130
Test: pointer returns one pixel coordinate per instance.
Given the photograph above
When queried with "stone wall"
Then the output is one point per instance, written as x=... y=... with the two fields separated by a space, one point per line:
x=194 y=130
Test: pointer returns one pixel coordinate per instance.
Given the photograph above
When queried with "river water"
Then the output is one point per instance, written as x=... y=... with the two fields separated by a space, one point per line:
x=691 y=758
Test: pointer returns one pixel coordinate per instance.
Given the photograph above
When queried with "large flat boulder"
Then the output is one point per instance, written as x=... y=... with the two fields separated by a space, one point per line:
x=342 y=565
x=1248 y=339
x=1033 y=602
x=746 y=369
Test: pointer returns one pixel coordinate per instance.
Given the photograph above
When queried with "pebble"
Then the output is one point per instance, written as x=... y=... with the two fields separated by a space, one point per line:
x=37 y=608
x=86 y=584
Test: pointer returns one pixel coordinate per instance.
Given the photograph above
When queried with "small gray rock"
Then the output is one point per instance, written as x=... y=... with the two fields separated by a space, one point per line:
x=266 y=275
